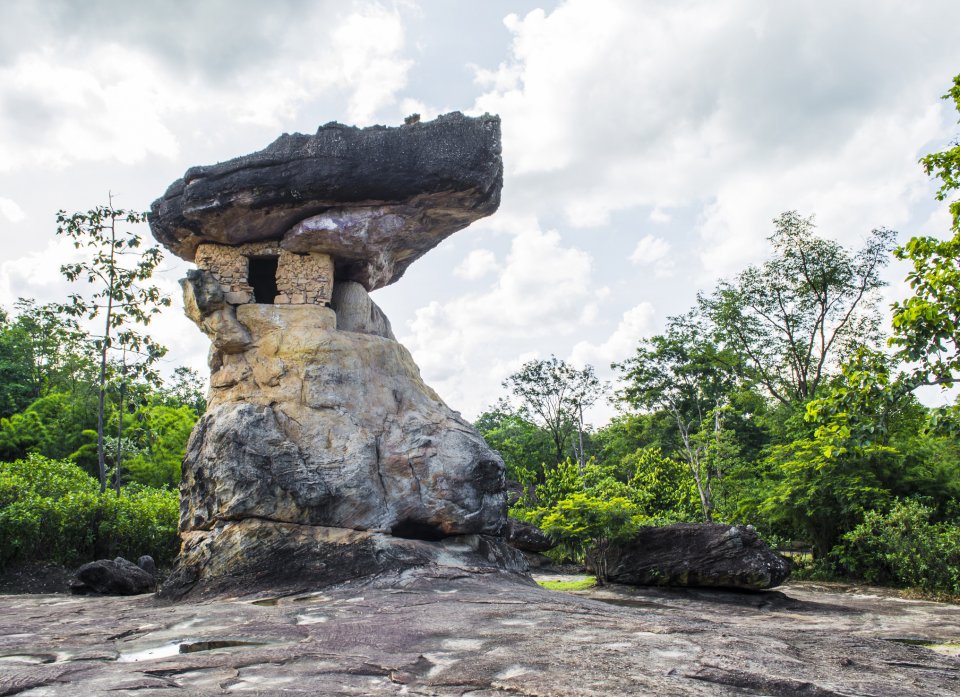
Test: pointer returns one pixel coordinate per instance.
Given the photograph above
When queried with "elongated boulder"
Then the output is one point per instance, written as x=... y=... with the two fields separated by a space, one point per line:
x=697 y=554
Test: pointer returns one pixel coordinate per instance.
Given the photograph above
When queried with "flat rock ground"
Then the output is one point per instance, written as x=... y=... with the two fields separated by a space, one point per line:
x=482 y=637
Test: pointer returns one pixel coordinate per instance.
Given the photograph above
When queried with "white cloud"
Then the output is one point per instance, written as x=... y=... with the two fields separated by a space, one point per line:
x=11 y=210
x=650 y=249
x=477 y=264
x=544 y=289
x=738 y=110
x=637 y=323
x=654 y=251
x=63 y=102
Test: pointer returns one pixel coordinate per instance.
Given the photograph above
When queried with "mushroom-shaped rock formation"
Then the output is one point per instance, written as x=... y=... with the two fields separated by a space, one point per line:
x=323 y=457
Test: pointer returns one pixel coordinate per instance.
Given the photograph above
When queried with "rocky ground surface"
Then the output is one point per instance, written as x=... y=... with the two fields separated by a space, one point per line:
x=483 y=637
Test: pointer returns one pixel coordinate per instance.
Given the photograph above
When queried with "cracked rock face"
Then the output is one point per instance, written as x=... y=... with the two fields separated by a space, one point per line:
x=323 y=456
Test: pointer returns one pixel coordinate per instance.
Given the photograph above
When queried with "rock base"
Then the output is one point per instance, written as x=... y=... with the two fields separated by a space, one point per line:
x=253 y=556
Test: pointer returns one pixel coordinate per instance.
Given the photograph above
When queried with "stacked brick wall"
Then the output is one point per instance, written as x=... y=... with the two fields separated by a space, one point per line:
x=301 y=278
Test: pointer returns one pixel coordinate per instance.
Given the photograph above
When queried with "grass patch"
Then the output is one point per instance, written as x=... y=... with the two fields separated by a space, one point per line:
x=581 y=584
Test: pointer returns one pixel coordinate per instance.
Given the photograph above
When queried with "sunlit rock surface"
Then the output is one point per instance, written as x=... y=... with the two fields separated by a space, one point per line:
x=484 y=637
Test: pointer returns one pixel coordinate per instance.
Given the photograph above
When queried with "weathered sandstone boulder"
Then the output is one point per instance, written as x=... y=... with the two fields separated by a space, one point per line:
x=697 y=554
x=323 y=456
x=375 y=198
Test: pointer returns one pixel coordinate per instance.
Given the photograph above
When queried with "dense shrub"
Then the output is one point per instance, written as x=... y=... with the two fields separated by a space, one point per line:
x=903 y=547
x=51 y=510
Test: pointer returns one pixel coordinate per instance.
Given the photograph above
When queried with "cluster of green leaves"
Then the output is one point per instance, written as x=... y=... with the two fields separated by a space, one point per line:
x=52 y=510
x=585 y=509
x=903 y=546
x=49 y=392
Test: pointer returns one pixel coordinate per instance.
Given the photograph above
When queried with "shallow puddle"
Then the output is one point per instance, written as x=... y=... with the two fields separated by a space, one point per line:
x=29 y=658
x=167 y=650
x=627 y=602
x=175 y=648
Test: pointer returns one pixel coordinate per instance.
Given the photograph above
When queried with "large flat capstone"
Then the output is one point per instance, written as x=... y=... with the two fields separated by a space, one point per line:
x=376 y=199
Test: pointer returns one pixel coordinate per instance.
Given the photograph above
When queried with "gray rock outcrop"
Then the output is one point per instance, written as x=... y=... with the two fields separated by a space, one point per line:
x=323 y=456
x=697 y=555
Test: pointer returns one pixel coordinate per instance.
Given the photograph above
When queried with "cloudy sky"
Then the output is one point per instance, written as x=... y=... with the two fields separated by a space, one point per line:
x=647 y=144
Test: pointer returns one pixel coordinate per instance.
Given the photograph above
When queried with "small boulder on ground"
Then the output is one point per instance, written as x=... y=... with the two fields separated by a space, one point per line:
x=116 y=577
x=697 y=554
x=527 y=537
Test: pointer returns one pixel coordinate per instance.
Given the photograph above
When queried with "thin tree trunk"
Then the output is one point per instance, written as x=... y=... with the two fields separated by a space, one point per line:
x=582 y=458
x=123 y=389
x=101 y=455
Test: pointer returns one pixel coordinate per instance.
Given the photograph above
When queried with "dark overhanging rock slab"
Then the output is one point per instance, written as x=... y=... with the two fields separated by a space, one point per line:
x=376 y=198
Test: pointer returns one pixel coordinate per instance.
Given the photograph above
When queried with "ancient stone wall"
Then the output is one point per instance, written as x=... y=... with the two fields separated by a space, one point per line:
x=302 y=279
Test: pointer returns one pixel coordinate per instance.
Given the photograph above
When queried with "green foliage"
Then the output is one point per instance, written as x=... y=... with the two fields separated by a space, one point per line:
x=567 y=586
x=526 y=448
x=946 y=165
x=825 y=482
x=591 y=523
x=553 y=395
x=903 y=547
x=926 y=325
x=684 y=373
x=662 y=487
x=51 y=510
x=789 y=318
x=158 y=436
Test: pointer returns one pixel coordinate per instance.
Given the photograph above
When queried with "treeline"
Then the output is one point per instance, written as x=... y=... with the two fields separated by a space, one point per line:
x=91 y=437
x=780 y=400
x=49 y=393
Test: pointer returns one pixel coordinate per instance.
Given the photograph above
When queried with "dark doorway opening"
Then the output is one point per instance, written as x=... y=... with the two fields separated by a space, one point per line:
x=263 y=277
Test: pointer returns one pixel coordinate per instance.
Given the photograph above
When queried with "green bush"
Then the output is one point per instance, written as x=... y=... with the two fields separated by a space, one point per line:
x=903 y=547
x=51 y=510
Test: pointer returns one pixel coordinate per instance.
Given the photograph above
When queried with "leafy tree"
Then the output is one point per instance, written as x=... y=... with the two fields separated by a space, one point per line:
x=16 y=379
x=117 y=269
x=186 y=388
x=591 y=524
x=56 y=344
x=789 y=318
x=661 y=486
x=525 y=447
x=683 y=373
x=926 y=328
x=554 y=395
x=825 y=482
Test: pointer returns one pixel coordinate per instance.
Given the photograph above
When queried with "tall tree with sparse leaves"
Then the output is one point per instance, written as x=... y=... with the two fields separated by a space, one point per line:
x=791 y=317
x=555 y=395
x=118 y=269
